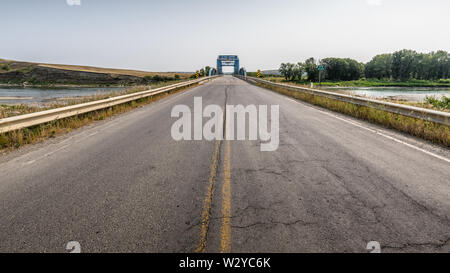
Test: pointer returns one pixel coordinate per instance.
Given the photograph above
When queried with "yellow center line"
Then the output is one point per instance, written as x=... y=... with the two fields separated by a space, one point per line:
x=226 y=203
x=208 y=199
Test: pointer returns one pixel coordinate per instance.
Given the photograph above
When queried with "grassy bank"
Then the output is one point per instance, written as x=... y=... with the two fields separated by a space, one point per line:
x=39 y=133
x=429 y=103
x=366 y=82
x=381 y=83
x=44 y=75
x=427 y=130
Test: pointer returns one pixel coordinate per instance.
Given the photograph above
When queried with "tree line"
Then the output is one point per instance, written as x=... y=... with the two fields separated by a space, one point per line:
x=401 y=65
x=160 y=78
x=202 y=72
x=408 y=64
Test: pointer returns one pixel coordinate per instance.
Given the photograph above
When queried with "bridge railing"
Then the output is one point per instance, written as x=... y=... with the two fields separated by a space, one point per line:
x=405 y=110
x=32 y=119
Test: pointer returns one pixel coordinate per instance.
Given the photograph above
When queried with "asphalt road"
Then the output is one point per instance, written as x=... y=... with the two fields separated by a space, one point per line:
x=124 y=185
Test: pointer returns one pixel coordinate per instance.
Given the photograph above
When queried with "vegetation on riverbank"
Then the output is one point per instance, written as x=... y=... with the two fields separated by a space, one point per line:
x=401 y=68
x=362 y=82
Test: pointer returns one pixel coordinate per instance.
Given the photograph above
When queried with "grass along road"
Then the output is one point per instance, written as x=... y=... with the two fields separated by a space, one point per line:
x=434 y=132
x=441 y=104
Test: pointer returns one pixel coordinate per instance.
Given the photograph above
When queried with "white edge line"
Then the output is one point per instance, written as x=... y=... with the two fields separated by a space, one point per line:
x=379 y=133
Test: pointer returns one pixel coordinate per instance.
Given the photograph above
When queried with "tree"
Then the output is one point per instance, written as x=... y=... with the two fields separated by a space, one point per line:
x=400 y=65
x=403 y=64
x=297 y=72
x=202 y=72
x=207 y=69
x=440 y=62
x=284 y=71
x=379 y=67
x=287 y=70
x=291 y=71
x=407 y=64
x=338 y=69
x=310 y=67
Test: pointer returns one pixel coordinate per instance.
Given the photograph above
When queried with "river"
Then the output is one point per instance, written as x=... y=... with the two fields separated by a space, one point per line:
x=27 y=95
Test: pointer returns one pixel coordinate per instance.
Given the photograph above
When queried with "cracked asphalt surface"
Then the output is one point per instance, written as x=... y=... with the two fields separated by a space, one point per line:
x=124 y=185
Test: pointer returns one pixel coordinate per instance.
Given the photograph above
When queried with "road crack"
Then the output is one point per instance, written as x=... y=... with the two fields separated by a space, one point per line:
x=273 y=223
x=438 y=245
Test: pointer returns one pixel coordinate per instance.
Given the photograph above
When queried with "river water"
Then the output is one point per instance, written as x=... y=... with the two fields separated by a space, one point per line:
x=398 y=93
x=27 y=95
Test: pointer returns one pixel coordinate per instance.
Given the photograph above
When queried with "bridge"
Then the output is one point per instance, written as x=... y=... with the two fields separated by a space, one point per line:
x=123 y=184
x=227 y=60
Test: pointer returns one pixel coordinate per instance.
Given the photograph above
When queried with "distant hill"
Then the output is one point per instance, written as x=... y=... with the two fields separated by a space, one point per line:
x=270 y=72
x=16 y=72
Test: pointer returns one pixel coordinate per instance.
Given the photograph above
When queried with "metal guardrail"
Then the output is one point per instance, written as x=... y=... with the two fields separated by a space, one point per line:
x=32 y=119
x=405 y=110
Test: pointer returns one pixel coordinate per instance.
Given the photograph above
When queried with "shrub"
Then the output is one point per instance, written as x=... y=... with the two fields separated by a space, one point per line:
x=148 y=79
x=6 y=67
x=157 y=78
x=443 y=103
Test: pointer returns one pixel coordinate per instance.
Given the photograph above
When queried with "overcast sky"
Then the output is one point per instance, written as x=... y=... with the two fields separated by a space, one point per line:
x=182 y=35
